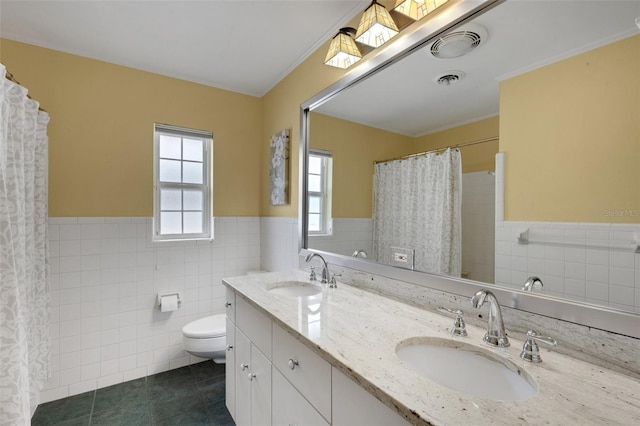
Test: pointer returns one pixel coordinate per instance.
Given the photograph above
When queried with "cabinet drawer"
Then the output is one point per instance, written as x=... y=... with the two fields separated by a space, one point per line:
x=310 y=374
x=290 y=408
x=255 y=325
x=230 y=304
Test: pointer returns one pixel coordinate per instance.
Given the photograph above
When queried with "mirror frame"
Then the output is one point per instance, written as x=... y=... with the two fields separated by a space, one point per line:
x=600 y=317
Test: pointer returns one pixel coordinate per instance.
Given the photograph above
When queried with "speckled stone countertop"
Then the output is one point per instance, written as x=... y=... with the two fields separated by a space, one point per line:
x=358 y=331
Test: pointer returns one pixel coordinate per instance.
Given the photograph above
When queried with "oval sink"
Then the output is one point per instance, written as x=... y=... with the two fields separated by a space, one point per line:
x=466 y=368
x=294 y=288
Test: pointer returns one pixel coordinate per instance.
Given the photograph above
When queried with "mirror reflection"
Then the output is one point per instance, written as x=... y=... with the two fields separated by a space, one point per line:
x=540 y=107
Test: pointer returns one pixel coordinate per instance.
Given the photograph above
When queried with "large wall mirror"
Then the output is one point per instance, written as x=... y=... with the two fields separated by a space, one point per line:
x=540 y=103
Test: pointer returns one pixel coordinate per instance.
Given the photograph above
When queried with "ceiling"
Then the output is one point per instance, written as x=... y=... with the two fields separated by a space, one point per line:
x=522 y=35
x=238 y=45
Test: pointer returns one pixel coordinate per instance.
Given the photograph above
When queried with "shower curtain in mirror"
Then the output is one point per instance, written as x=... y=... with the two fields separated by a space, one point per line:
x=418 y=207
x=24 y=287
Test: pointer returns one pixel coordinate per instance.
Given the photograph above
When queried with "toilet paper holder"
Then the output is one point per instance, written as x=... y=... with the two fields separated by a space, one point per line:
x=160 y=296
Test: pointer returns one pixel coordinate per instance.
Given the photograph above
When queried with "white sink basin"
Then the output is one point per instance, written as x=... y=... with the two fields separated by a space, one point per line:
x=294 y=288
x=466 y=368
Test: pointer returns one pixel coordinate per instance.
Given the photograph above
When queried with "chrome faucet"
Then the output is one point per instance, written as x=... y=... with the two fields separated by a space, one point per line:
x=360 y=253
x=530 y=284
x=325 y=267
x=496 y=336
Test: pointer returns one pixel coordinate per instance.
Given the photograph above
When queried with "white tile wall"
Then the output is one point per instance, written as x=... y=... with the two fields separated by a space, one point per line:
x=105 y=277
x=573 y=260
x=478 y=226
x=589 y=262
x=279 y=243
x=348 y=236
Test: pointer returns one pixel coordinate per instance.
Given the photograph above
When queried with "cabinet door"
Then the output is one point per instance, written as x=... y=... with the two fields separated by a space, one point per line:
x=290 y=407
x=230 y=369
x=243 y=384
x=260 y=379
x=352 y=405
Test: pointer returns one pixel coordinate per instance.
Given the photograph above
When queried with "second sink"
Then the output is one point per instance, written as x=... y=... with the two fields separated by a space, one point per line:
x=294 y=288
x=466 y=368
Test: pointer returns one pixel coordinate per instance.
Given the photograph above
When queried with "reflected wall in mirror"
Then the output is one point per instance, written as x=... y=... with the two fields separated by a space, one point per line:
x=561 y=90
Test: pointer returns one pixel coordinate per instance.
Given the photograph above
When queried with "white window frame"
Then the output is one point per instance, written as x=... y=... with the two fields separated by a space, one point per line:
x=205 y=187
x=326 y=226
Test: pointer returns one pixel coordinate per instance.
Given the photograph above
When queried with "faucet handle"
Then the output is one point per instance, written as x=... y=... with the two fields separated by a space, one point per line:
x=332 y=281
x=459 y=327
x=312 y=274
x=530 y=351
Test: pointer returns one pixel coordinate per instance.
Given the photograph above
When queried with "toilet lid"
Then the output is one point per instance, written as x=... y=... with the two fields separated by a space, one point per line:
x=212 y=326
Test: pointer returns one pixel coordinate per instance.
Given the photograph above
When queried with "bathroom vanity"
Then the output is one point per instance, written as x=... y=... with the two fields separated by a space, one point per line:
x=272 y=377
x=304 y=353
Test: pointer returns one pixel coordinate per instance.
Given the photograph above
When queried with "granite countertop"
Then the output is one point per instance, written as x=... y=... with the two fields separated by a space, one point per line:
x=358 y=331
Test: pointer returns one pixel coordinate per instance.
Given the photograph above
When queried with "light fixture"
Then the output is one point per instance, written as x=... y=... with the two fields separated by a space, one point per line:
x=417 y=9
x=376 y=26
x=343 y=51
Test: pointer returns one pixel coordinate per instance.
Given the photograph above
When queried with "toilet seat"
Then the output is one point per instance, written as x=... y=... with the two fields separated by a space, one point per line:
x=206 y=328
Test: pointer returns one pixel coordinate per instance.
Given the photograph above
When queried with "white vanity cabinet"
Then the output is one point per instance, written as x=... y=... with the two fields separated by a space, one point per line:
x=274 y=378
x=354 y=406
x=306 y=370
x=253 y=383
x=248 y=368
x=304 y=377
x=290 y=407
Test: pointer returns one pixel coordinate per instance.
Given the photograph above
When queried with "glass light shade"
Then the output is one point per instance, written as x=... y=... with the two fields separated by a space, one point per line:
x=376 y=26
x=417 y=9
x=343 y=51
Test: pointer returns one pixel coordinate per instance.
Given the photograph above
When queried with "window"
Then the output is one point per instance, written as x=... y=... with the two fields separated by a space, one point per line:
x=319 y=189
x=182 y=183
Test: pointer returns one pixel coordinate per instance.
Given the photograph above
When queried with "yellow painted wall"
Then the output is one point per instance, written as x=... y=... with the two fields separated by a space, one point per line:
x=475 y=158
x=101 y=132
x=354 y=148
x=281 y=110
x=574 y=162
x=571 y=134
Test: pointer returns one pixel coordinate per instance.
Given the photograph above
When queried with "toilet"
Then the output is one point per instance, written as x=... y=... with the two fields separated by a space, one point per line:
x=206 y=338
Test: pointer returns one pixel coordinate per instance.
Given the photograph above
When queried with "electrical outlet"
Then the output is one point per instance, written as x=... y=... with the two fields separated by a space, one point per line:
x=403 y=257
x=400 y=257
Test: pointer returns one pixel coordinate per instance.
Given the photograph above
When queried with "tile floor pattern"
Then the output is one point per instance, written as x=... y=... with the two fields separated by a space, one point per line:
x=192 y=395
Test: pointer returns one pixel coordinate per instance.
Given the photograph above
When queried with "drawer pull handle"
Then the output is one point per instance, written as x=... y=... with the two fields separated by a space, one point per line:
x=227 y=304
x=244 y=366
x=293 y=363
x=252 y=376
x=229 y=347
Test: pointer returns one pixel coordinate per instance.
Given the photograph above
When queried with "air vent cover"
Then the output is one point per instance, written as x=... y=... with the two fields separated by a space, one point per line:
x=449 y=77
x=458 y=43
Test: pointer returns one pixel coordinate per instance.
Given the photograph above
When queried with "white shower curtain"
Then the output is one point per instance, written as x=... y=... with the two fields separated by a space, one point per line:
x=24 y=278
x=417 y=207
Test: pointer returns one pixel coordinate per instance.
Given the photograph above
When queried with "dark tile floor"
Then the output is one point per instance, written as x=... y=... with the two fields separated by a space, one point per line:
x=192 y=395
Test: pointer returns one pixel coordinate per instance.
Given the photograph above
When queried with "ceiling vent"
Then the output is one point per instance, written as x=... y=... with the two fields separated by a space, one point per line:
x=459 y=42
x=449 y=77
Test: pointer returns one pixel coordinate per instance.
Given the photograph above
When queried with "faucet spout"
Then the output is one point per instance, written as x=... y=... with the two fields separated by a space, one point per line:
x=325 y=267
x=495 y=336
x=532 y=283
